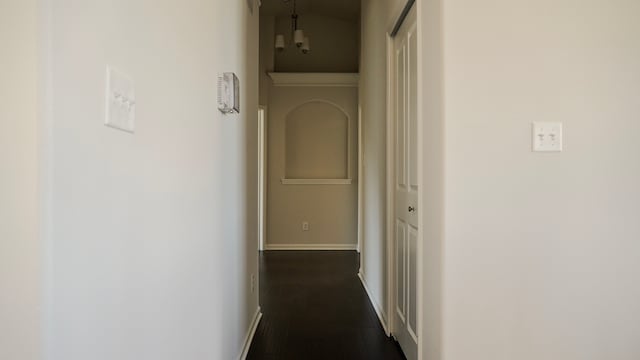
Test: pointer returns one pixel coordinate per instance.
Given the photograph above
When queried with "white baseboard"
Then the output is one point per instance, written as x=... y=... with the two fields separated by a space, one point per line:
x=381 y=315
x=311 y=247
x=252 y=331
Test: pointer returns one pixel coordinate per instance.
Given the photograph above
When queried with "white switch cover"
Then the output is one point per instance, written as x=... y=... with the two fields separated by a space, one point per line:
x=305 y=226
x=121 y=101
x=547 y=136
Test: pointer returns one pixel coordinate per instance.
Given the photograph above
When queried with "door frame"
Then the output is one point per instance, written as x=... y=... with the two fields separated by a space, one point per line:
x=391 y=162
x=360 y=189
x=262 y=177
x=393 y=27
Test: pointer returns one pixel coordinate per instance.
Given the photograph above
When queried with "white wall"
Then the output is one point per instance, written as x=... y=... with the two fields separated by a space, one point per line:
x=526 y=255
x=541 y=254
x=20 y=250
x=237 y=197
x=431 y=111
x=373 y=92
x=154 y=234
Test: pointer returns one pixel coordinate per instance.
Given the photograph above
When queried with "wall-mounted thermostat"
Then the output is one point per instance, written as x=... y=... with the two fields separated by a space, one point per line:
x=228 y=93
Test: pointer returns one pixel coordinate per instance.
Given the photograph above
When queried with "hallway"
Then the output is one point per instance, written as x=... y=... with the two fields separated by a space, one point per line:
x=314 y=307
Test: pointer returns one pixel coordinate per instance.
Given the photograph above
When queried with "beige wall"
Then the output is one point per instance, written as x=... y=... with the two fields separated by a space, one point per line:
x=330 y=209
x=154 y=234
x=542 y=257
x=334 y=45
x=392 y=13
x=266 y=56
x=20 y=250
x=317 y=142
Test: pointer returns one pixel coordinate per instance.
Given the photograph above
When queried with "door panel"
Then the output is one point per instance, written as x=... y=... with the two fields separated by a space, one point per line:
x=400 y=269
x=400 y=114
x=412 y=297
x=405 y=105
x=412 y=98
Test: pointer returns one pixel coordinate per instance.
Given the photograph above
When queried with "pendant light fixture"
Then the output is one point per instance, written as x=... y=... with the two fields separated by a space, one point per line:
x=299 y=39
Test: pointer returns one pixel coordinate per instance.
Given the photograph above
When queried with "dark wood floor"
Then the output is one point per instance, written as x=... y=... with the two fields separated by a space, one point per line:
x=314 y=307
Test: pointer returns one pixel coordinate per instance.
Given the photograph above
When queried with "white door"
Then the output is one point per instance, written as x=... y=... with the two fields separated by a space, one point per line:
x=406 y=185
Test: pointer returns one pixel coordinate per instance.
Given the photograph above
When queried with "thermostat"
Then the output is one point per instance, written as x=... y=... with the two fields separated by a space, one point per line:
x=228 y=93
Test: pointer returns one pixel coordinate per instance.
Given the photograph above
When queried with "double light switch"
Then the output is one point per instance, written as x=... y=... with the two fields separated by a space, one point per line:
x=547 y=136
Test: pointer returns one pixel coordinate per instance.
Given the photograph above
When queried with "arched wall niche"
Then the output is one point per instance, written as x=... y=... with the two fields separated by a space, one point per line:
x=317 y=142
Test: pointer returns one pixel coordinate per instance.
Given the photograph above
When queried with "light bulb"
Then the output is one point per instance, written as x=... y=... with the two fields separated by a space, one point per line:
x=305 y=45
x=280 y=42
x=298 y=37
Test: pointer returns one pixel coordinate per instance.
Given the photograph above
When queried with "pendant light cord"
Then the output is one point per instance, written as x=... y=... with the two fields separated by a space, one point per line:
x=294 y=17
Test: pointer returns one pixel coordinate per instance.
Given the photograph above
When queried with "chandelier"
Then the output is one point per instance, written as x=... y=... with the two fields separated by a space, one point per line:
x=301 y=42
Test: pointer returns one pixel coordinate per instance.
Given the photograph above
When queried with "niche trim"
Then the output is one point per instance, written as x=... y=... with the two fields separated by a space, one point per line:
x=322 y=181
x=316 y=181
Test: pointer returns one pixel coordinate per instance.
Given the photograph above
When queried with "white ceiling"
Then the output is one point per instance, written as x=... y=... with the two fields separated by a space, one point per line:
x=341 y=9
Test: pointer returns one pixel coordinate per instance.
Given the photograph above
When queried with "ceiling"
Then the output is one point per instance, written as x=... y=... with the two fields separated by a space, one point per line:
x=341 y=9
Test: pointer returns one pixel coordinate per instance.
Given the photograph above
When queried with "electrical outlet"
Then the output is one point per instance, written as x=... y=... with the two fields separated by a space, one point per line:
x=253 y=283
x=305 y=226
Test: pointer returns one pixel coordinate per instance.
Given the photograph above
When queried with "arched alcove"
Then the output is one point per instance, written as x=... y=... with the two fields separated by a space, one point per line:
x=317 y=142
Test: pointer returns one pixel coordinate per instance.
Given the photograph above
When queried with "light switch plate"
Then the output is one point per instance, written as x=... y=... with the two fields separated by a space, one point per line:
x=547 y=136
x=120 y=102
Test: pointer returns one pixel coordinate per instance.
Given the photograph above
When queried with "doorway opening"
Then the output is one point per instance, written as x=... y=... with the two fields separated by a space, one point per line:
x=321 y=137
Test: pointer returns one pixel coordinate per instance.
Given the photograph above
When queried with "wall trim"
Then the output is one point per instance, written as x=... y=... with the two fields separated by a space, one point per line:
x=315 y=79
x=381 y=315
x=324 y=247
x=316 y=181
x=252 y=331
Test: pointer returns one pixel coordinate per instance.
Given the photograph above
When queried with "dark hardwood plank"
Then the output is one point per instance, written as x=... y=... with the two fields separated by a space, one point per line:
x=314 y=307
